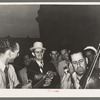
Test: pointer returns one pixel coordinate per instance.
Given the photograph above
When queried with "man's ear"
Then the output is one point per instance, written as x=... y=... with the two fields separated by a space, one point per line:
x=86 y=60
x=33 y=54
x=8 y=52
x=43 y=51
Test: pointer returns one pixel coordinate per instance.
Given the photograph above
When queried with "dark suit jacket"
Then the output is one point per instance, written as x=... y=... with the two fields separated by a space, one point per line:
x=48 y=66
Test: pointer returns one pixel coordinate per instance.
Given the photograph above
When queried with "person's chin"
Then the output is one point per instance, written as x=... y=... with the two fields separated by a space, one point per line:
x=81 y=72
x=40 y=58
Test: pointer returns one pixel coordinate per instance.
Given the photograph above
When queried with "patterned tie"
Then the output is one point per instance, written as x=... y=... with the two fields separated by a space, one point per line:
x=41 y=67
x=6 y=76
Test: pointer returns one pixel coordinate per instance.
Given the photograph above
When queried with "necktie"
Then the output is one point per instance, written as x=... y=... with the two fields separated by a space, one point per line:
x=6 y=76
x=41 y=67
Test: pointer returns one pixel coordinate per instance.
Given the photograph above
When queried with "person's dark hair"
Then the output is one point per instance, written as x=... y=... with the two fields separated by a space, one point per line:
x=74 y=51
x=13 y=45
x=64 y=48
x=54 y=49
x=4 y=45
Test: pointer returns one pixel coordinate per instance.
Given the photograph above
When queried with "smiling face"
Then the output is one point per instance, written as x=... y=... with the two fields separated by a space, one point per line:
x=79 y=63
x=39 y=54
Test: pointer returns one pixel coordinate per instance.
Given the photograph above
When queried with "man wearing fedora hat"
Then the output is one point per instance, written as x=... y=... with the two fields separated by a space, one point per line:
x=40 y=67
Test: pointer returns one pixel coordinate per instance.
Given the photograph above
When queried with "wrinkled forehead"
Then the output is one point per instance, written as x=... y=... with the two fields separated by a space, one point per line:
x=77 y=56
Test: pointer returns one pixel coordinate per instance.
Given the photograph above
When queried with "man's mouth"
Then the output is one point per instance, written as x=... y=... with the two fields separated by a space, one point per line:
x=80 y=70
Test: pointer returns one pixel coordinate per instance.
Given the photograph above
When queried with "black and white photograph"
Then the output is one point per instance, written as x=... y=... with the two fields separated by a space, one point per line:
x=52 y=47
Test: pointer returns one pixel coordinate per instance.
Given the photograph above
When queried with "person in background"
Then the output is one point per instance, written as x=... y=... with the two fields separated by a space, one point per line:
x=90 y=53
x=62 y=55
x=22 y=64
x=64 y=63
x=54 y=58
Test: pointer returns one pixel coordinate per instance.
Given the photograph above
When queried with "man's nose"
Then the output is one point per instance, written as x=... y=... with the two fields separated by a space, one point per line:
x=40 y=54
x=78 y=64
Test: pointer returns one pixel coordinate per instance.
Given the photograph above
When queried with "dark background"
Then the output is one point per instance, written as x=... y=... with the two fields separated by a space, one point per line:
x=73 y=98
x=73 y=25
x=70 y=26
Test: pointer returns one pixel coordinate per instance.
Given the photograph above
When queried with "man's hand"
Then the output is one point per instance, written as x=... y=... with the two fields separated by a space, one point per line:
x=27 y=85
x=66 y=81
x=49 y=79
x=47 y=82
x=38 y=76
x=76 y=83
x=51 y=74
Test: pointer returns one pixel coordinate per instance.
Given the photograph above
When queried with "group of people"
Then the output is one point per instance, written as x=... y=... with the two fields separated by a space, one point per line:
x=67 y=69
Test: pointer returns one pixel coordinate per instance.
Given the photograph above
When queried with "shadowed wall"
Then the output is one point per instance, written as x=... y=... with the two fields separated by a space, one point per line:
x=19 y=21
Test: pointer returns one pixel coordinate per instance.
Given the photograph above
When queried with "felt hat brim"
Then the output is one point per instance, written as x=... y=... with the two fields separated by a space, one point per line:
x=32 y=48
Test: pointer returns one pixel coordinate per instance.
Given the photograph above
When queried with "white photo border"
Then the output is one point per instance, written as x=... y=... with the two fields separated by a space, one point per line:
x=37 y=93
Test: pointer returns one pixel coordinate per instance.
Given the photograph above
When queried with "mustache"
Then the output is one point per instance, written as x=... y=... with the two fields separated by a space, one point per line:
x=80 y=68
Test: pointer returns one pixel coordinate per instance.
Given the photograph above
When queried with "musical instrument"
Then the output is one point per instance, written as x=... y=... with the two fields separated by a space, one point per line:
x=40 y=83
x=49 y=74
x=92 y=77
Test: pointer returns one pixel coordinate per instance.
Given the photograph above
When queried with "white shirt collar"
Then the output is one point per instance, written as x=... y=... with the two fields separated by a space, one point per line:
x=39 y=63
x=78 y=78
x=2 y=66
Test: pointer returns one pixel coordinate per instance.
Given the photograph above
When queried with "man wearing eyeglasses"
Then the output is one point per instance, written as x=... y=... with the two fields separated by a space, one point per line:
x=39 y=68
